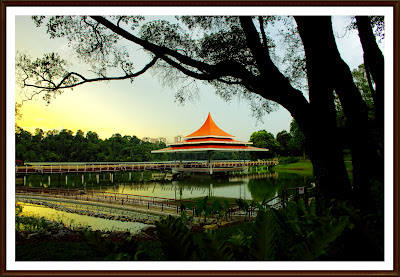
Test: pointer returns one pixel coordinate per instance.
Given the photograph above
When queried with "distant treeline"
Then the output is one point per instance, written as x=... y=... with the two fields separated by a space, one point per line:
x=65 y=146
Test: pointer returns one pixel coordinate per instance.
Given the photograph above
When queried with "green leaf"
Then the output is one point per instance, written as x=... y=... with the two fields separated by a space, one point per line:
x=177 y=243
x=216 y=249
x=312 y=208
x=264 y=235
x=318 y=240
x=216 y=207
x=260 y=207
x=199 y=207
x=301 y=206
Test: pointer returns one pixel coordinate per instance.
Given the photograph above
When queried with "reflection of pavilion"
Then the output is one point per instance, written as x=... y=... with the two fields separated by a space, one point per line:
x=210 y=138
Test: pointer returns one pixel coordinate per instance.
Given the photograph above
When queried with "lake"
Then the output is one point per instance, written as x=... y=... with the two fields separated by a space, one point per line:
x=255 y=187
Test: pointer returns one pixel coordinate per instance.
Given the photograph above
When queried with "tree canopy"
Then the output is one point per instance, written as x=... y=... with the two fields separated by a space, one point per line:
x=264 y=139
x=283 y=138
x=64 y=146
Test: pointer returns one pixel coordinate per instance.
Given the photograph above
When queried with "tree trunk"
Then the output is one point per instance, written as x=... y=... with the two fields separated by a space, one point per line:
x=374 y=63
x=338 y=77
x=316 y=119
x=364 y=141
x=323 y=141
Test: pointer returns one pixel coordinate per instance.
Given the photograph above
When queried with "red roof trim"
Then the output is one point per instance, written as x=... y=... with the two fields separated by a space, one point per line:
x=201 y=148
x=208 y=141
x=209 y=146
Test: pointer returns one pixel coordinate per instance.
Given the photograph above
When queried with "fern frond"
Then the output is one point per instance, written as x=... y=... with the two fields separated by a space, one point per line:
x=312 y=208
x=318 y=240
x=301 y=207
x=264 y=235
x=215 y=249
x=101 y=245
x=177 y=243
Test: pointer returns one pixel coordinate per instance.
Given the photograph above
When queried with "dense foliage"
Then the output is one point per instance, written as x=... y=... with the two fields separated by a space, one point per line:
x=295 y=233
x=264 y=139
x=64 y=146
x=284 y=144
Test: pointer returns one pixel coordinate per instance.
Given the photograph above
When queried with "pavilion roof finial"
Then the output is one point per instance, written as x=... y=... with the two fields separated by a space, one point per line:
x=209 y=129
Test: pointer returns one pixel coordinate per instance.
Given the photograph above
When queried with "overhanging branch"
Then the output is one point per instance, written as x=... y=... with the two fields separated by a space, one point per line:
x=85 y=80
x=209 y=71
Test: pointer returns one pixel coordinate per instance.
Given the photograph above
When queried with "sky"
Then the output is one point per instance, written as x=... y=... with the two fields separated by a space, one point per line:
x=145 y=108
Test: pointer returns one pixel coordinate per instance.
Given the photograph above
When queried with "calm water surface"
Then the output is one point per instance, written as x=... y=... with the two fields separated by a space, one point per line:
x=77 y=220
x=249 y=187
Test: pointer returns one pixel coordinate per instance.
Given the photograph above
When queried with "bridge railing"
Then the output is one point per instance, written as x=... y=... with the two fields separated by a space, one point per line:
x=92 y=167
x=153 y=203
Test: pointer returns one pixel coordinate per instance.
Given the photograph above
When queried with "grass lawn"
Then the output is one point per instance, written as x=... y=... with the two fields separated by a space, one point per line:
x=305 y=167
x=212 y=199
x=301 y=167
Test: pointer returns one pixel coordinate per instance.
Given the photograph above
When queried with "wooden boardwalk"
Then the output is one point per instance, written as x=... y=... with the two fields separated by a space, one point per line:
x=161 y=166
x=147 y=204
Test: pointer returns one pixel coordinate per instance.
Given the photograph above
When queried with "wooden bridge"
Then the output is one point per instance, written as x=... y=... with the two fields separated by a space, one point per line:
x=192 y=166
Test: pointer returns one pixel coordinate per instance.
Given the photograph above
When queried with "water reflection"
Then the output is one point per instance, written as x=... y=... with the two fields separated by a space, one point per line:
x=77 y=220
x=272 y=187
x=249 y=187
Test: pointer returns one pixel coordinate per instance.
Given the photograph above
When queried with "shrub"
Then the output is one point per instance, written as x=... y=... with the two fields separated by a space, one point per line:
x=288 y=160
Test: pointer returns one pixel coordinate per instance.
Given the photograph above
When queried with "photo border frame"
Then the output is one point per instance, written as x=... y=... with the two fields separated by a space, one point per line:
x=396 y=154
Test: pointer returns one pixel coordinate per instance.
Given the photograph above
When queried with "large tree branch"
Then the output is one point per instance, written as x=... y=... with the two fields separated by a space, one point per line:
x=264 y=36
x=196 y=75
x=214 y=71
x=261 y=56
x=272 y=84
x=156 y=49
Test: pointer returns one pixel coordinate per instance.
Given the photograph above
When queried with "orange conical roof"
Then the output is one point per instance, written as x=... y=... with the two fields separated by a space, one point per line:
x=209 y=129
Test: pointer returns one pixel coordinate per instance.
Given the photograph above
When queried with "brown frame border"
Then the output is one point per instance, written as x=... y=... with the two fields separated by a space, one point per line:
x=396 y=195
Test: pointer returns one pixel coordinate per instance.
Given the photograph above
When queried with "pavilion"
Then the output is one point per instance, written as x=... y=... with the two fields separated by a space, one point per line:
x=209 y=138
